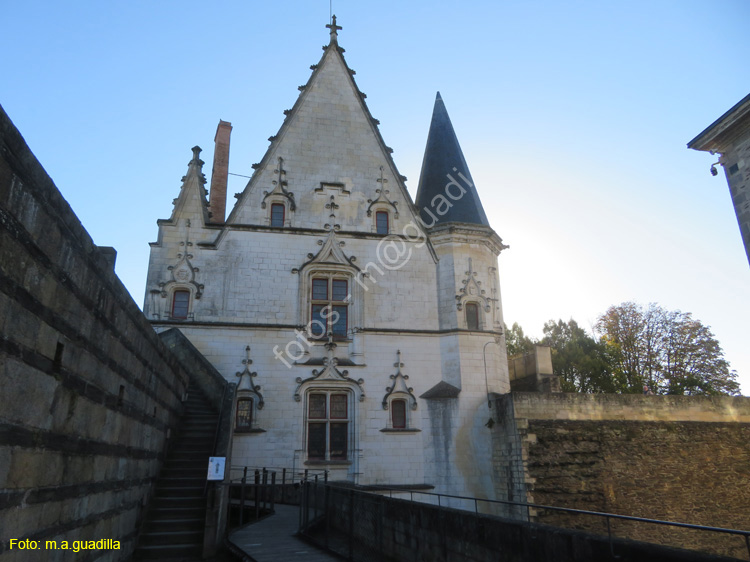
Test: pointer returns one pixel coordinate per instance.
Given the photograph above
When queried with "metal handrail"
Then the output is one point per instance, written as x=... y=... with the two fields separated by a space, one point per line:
x=607 y=516
x=304 y=472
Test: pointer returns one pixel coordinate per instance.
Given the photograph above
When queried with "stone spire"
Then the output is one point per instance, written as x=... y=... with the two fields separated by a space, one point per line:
x=446 y=190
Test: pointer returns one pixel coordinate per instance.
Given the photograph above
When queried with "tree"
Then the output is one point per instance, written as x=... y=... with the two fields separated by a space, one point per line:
x=516 y=342
x=578 y=359
x=668 y=351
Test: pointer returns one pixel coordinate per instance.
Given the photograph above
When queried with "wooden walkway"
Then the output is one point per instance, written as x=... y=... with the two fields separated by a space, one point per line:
x=272 y=539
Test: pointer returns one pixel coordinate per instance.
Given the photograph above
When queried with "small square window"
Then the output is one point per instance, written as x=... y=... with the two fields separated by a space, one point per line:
x=340 y=290
x=277 y=214
x=317 y=409
x=338 y=406
x=320 y=289
x=381 y=222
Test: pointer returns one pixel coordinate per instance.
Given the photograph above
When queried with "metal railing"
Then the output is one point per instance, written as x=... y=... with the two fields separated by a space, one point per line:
x=265 y=486
x=444 y=501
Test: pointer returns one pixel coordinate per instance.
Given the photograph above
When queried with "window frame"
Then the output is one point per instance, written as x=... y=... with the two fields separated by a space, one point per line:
x=318 y=306
x=250 y=422
x=475 y=307
x=385 y=214
x=180 y=291
x=405 y=421
x=328 y=420
x=283 y=215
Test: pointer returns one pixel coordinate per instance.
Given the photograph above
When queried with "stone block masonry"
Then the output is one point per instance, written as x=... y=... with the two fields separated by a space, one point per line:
x=88 y=393
x=674 y=458
x=400 y=530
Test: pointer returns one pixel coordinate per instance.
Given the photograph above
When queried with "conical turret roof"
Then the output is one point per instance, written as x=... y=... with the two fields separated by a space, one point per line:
x=443 y=165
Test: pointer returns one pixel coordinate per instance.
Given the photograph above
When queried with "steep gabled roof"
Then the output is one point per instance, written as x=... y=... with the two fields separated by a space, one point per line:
x=444 y=164
x=331 y=74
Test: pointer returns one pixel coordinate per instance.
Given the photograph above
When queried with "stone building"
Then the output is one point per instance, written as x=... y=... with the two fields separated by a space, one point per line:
x=364 y=331
x=729 y=137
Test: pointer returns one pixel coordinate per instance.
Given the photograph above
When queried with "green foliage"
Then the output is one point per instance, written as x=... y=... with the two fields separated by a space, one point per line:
x=516 y=341
x=581 y=361
x=668 y=351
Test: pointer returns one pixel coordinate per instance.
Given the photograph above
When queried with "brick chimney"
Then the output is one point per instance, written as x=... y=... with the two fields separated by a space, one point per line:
x=217 y=199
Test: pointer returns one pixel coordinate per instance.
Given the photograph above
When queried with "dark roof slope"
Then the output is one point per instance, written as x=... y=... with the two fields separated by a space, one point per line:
x=443 y=158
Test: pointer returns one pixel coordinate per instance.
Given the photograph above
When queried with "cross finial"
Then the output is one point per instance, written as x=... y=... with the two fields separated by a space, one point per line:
x=247 y=361
x=334 y=28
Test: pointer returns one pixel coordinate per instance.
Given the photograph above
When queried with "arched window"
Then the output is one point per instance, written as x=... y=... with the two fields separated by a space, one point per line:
x=277 y=214
x=328 y=420
x=180 y=304
x=329 y=309
x=381 y=222
x=244 y=418
x=472 y=316
x=398 y=414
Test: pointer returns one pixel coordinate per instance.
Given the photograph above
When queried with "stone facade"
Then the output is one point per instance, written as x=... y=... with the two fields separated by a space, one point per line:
x=729 y=136
x=88 y=394
x=326 y=205
x=673 y=458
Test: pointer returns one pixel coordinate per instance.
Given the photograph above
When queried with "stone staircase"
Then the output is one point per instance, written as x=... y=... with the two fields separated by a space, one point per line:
x=173 y=528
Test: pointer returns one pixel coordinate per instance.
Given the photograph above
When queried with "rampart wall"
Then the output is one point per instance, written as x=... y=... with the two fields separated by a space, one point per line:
x=676 y=458
x=88 y=393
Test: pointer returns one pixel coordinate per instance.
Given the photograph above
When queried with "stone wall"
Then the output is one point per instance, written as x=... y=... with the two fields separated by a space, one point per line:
x=88 y=392
x=673 y=458
x=371 y=527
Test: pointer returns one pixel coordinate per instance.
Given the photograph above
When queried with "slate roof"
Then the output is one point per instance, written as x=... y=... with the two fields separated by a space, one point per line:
x=443 y=157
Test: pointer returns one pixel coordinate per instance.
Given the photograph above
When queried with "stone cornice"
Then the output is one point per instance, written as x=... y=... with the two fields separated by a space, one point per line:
x=452 y=232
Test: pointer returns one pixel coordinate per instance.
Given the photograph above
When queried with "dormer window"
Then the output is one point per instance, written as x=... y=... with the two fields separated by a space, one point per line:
x=180 y=304
x=381 y=222
x=472 y=316
x=277 y=214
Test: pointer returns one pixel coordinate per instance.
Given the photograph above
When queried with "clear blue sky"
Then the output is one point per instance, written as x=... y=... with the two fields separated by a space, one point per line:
x=573 y=117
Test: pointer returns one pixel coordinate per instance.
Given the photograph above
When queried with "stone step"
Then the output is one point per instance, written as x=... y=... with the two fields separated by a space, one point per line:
x=162 y=525
x=194 y=537
x=165 y=552
x=179 y=502
x=168 y=482
x=174 y=513
x=179 y=492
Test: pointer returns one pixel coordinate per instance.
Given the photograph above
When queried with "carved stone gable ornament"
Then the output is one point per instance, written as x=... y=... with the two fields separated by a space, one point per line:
x=280 y=187
x=399 y=385
x=330 y=373
x=183 y=272
x=382 y=196
x=246 y=384
x=472 y=289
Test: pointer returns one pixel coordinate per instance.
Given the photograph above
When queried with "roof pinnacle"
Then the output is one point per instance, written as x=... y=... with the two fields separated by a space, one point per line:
x=334 y=29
